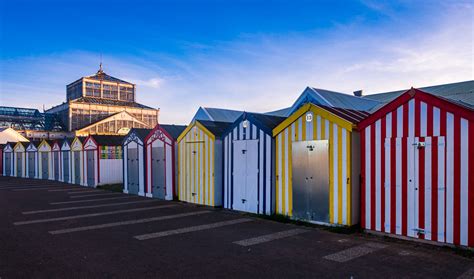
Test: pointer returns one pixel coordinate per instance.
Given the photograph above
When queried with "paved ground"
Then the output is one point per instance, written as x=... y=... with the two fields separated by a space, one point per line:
x=54 y=230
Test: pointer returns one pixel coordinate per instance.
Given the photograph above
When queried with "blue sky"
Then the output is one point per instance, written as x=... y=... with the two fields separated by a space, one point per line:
x=246 y=55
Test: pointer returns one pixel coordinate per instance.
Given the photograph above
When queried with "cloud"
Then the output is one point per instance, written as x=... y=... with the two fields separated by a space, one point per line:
x=263 y=72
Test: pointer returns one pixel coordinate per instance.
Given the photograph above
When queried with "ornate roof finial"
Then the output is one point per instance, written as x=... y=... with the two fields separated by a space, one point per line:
x=100 y=71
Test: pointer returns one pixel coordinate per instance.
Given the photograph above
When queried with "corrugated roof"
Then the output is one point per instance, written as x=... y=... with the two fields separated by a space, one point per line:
x=333 y=99
x=215 y=127
x=269 y=121
x=173 y=130
x=458 y=92
x=107 y=140
x=280 y=112
x=353 y=116
x=109 y=102
x=217 y=114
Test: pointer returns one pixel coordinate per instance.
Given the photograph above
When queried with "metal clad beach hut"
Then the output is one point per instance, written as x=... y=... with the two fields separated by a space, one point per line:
x=8 y=159
x=32 y=159
x=417 y=161
x=45 y=165
x=19 y=161
x=103 y=160
x=77 y=161
x=249 y=172
x=317 y=165
x=66 y=161
x=162 y=161
x=56 y=157
x=134 y=161
x=200 y=163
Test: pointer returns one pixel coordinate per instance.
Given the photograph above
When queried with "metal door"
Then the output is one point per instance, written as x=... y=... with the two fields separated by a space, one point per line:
x=420 y=184
x=19 y=164
x=239 y=175
x=318 y=179
x=8 y=163
x=251 y=183
x=31 y=164
x=158 y=164
x=310 y=168
x=301 y=191
x=44 y=165
x=65 y=166
x=77 y=167
x=132 y=170
x=90 y=168
x=56 y=165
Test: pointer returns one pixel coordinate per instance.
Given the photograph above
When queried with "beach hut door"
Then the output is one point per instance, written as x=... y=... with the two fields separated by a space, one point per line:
x=132 y=169
x=158 y=165
x=77 y=167
x=310 y=168
x=56 y=165
x=90 y=168
x=44 y=165
x=66 y=166
x=19 y=164
x=8 y=163
x=245 y=175
x=426 y=173
x=31 y=164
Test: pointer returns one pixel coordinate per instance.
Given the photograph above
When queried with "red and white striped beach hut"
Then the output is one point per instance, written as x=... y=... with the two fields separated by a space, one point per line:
x=417 y=157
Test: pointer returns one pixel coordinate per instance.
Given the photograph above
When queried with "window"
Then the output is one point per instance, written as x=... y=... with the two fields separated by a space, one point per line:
x=92 y=89
x=126 y=93
x=110 y=91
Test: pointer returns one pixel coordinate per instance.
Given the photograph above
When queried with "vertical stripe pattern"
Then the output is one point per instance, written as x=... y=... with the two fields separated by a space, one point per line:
x=421 y=160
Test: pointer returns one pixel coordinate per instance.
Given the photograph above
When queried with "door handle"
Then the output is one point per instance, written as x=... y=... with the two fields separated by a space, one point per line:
x=244 y=200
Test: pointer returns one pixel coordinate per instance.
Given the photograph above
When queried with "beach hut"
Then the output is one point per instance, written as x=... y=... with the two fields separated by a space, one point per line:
x=45 y=165
x=56 y=157
x=134 y=162
x=32 y=159
x=162 y=161
x=317 y=165
x=77 y=161
x=19 y=161
x=200 y=163
x=66 y=161
x=8 y=159
x=249 y=172
x=103 y=162
x=417 y=161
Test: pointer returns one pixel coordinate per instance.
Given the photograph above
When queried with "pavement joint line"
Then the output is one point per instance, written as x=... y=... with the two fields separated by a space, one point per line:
x=72 y=190
x=75 y=192
x=355 y=252
x=92 y=214
x=44 y=188
x=94 y=195
x=91 y=200
x=26 y=187
x=85 y=207
x=130 y=222
x=269 y=237
x=469 y=274
x=191 y=229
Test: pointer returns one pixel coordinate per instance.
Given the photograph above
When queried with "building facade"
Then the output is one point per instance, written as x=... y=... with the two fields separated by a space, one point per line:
x=102 y=104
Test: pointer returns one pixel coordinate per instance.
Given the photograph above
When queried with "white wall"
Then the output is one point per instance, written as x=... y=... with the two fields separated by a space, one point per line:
x=111 y=171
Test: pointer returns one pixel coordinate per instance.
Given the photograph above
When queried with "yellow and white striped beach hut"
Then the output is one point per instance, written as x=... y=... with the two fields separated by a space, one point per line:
x=200 y=159
x=317 y=165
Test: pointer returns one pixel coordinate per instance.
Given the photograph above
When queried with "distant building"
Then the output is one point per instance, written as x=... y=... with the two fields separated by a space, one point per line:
x=102 y=104
x=9 y=134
